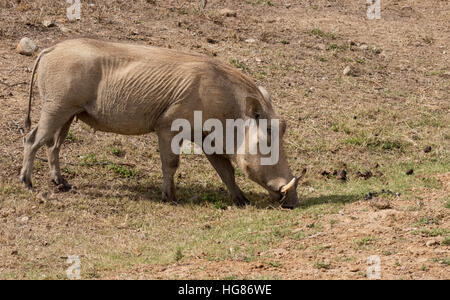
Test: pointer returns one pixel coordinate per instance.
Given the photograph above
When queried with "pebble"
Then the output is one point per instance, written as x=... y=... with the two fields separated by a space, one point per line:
x=226 y=12
x=431 y=243
x=347 y=71
x=49 y=23
x=26 y=47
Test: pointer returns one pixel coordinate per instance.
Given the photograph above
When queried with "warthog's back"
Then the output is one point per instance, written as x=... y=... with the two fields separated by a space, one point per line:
x=124 y=88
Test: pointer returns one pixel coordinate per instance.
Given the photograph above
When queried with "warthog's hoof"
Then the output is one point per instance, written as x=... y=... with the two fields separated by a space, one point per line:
x=62 y=185
x=241 y=201
x=26 y=182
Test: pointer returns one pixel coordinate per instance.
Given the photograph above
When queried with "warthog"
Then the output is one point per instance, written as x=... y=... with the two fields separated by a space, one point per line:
x=135 y=90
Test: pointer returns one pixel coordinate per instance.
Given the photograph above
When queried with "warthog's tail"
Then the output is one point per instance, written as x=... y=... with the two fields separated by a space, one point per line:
x=28 y=119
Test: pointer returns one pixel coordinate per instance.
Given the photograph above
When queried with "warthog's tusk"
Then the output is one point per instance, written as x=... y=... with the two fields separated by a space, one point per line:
x=288 y=186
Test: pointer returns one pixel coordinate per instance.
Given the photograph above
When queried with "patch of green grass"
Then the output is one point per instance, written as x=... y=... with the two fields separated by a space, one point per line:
x=89 y=159
x=337 y=47
x=446 y=241
x=320 y=33
x=365 y=241
x=447 y=204
x=374 y=141
x=117 y=151
x=178 y=254
x=322 y=265
x=427 y=220
x=71 y=137
x=431 y=183
x=431 y=232
x=444 y=261
x=123 y=171
x=239 y=65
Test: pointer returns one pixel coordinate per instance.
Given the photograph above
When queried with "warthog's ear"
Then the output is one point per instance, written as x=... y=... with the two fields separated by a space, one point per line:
x=253 y=108
x=265 y=93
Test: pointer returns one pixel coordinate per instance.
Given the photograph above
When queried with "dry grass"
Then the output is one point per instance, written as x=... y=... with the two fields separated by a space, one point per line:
x=378 y=119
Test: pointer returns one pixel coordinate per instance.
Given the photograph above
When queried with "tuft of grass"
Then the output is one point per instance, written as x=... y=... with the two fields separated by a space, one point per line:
x=89 y=159
x=428 y=221
x=71 y=137
x=117 y=152
x=431 y=232
x=322 y=265
x=239 y=65
x=365 y=241
x=123 y=171
x=178 y=254
x=447 y=204
x=322 y=34
x=446 y=241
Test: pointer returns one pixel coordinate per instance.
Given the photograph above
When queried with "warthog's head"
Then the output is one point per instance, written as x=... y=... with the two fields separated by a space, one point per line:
x=270 y=170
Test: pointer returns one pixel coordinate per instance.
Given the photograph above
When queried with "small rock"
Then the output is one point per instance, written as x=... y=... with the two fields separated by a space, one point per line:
x=364 y=47
x=26 y=47
x=342 y=175
x=354 y=269
x=380 y=204
x=321 y=47
x=410 y=172
x=427 y=149
x=226 y=12
x=24 y=220
x=49 y=23
x=250 y=41
x=64 y=29
x=432 y=243
x=211 y=40
x=347 y=71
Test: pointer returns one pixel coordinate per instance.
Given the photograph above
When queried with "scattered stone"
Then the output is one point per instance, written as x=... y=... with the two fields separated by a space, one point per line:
x=380 y=204
x=24 y=220
x=364 y=47
x=410 y=172
x=49 y=23
x=354 y=269
x=365 y=175
x=427 y=149
x=26 y=47
x=321 y=47
x=211 y=41
x=226 y=12
x=342 y=175
x=347 y=71
x=250 y=41
x=432 y=243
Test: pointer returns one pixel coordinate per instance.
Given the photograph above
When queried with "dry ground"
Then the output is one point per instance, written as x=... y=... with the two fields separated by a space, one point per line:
x=379 y=118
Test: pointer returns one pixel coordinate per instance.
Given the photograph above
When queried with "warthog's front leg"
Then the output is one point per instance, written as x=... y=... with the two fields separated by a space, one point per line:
x=170 y=163
x=225 y=170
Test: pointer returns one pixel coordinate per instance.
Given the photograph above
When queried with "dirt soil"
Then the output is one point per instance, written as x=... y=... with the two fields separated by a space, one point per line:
x=388 y=113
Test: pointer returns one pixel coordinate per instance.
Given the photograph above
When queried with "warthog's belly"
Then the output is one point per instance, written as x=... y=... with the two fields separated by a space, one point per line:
x=127 y=124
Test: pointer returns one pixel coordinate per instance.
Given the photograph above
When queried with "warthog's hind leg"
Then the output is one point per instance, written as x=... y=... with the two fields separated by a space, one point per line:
x=50 y=123
x=170 y=163
x=225 y=170
x=53 y=156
